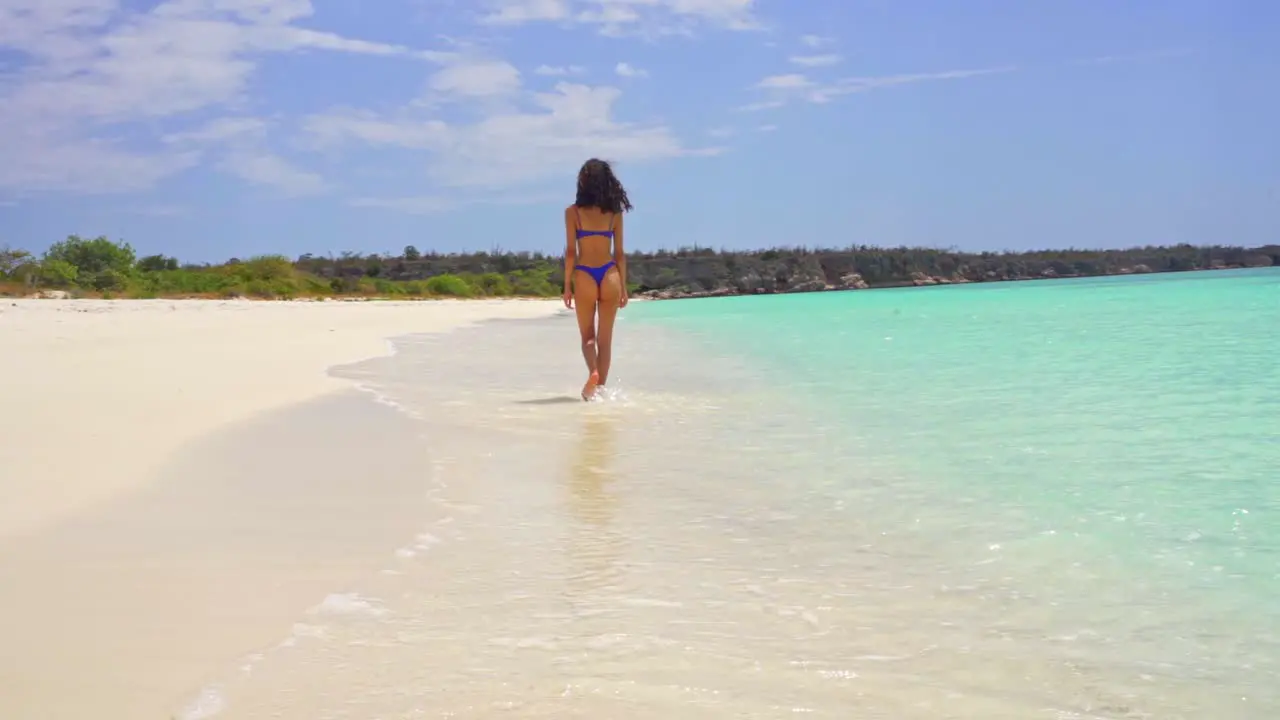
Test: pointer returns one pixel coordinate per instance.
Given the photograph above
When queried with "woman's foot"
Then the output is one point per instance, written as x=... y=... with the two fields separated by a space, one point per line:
x=589 y=390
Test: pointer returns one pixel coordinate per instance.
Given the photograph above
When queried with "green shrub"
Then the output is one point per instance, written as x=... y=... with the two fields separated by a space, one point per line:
x=384 y=286
x=533 y=283
x=91 y=257
x=58 y=273
x=106 y=280
x=450 y=285
x=313 y=285
x=493 y=285
x=265 y=267
x=156 y=263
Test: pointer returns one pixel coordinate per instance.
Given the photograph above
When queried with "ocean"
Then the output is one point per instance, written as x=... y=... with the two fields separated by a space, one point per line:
x=1047 y=499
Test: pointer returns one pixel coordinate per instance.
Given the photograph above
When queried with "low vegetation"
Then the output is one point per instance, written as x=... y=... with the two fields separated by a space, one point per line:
x=101 y=267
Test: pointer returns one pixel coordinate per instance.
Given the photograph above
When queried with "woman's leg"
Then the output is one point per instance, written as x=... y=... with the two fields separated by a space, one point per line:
x=585 y=297
x=610 y=293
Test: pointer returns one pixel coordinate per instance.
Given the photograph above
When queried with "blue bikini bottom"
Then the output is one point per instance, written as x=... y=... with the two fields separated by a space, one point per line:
x=597 y=273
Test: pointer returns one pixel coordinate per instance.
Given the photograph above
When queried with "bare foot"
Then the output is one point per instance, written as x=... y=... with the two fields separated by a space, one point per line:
x=589 y=390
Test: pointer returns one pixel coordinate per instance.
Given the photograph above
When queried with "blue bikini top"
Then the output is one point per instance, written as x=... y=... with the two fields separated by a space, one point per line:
x=587 y=233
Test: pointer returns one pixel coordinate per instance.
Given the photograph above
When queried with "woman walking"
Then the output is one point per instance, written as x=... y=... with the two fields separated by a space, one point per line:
x=595 y=265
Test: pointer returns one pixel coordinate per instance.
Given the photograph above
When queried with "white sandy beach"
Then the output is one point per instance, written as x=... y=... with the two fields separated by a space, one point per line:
x=99 y=615
x=97 y=392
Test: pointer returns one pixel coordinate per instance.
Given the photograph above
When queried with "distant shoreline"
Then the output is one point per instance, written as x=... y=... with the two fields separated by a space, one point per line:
x=936 y=282
x=102 y=268
x=8 y=292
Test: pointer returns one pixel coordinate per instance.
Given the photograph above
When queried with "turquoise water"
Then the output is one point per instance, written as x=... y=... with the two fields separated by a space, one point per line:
x=1115 y=437
x=1022 y=500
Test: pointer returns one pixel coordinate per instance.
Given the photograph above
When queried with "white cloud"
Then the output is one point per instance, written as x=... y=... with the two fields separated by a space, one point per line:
x=785 y=82
x=412 y=205
x=92 y=67
x=109 y=96
x=478 y=78
x=721 y=132
x=45 y=160
x=557 y=70
x=548 y=138
x=160 y=210
x=431 y=204
x=766 y=128
x=1132 y=57
x=814 y=41
x=615 y=17
x=273 y=171
x=225 y=129
x=762 y=105
x=242 y=144
x=627 y=70
x=785 y=88
x=514 y=12
x=816 y=60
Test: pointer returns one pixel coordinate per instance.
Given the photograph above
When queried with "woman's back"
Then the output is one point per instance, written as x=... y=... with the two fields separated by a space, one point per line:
x=594 y=231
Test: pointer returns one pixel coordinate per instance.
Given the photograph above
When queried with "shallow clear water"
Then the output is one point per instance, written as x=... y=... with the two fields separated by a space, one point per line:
x=1020 y=500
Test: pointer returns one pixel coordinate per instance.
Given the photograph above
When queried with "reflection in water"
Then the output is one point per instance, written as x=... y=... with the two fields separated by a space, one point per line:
x=594 y=543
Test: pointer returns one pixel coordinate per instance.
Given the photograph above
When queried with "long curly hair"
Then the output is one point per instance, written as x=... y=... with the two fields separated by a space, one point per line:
x=598 y=187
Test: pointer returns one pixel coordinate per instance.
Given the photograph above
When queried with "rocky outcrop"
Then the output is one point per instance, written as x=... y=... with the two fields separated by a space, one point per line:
x=757 y=284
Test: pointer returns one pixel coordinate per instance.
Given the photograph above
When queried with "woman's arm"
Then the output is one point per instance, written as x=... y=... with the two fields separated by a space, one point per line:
x=620 y=257
x=570 y=253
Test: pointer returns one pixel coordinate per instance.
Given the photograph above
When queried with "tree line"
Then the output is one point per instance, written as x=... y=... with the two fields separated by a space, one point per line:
x=103 y=267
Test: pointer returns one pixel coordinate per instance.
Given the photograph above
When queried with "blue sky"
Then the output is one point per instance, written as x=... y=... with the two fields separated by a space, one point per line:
x=208 y=129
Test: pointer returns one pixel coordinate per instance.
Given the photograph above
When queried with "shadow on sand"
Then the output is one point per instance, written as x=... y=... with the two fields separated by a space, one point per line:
x=556 y=400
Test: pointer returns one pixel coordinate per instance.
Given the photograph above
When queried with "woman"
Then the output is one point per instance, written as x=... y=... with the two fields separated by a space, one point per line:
x=595 y=266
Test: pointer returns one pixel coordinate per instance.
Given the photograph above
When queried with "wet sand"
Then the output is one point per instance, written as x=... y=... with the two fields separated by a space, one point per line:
x=179 y=481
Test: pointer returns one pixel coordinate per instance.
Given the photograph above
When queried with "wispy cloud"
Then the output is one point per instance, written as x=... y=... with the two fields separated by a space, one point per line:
x=627 y=70
x=761 y=105
x=241 y=143
x=545 y=134
x=221 y=130
x=106 y=99
x=816 y=60
x=432 y=204
x=160 y=210
x=559 y=70
x=273 y=171
x=619 y=17
x=789 y=81
x=1133 y=57
x=814 y=41
x=412 y=205
x=781 y=89
x=477 y=78
x=92 y=65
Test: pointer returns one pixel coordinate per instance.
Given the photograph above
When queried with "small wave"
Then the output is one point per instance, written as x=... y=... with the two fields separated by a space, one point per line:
x=208 y=703
x=349 y=604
